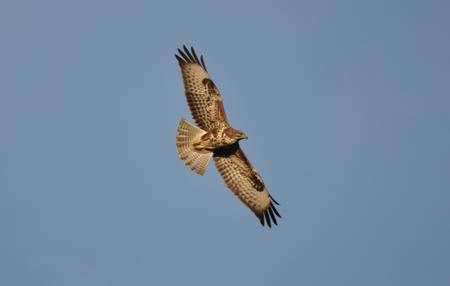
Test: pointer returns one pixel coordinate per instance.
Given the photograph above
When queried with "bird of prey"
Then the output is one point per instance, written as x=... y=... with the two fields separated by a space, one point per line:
x=213 y=137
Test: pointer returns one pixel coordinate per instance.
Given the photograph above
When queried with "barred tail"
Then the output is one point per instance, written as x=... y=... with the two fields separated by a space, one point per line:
x=194 y=159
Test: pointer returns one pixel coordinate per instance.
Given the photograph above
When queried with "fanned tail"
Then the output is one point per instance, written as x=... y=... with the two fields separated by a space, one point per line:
x=194 y=159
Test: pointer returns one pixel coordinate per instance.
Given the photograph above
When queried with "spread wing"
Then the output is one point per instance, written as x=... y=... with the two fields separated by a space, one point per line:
x=245 y=182
x=202 y=95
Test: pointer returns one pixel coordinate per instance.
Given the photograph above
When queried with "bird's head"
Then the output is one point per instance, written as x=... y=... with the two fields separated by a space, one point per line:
x=234 y=134
x=241 y=135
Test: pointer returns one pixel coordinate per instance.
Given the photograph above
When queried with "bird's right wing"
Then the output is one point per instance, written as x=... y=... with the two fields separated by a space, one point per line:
x=202 y=95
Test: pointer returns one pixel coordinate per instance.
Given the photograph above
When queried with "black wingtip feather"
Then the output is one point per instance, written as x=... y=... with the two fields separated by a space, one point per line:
x=190 y=56
x=273 y=216
x=186 y=58
x=203 y=63
x=261 y=219
x=273 y=200
x=195 y=55
x=266 y=214
x=180 y=60
x=275 y=210
x=188 y=53
x=269 y=216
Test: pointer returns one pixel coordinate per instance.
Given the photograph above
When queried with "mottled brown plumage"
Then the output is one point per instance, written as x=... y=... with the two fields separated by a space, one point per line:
x=214 y=137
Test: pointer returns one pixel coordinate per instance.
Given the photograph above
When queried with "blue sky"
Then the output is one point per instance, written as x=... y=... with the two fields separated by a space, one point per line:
x=347 y=109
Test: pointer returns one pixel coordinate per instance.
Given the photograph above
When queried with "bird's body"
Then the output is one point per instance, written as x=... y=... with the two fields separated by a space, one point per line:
x=217 y=138
x=214 y=137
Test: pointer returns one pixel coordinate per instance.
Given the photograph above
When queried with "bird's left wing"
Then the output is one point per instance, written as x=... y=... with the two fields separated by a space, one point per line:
x=245 y=182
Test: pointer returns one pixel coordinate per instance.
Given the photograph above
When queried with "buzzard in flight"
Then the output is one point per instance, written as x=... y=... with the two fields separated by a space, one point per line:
x=214 y=137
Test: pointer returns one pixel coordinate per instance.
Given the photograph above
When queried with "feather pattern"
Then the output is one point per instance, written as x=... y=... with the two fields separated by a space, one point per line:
x=202 y=95
x=194 y=159
x=246 y=183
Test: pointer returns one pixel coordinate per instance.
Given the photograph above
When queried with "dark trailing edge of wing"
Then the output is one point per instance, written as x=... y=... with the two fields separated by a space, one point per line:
x=189 y=57
x=270 y=214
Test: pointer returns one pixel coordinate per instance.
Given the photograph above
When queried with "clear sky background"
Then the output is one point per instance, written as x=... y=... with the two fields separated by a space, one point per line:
x=347 y=109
